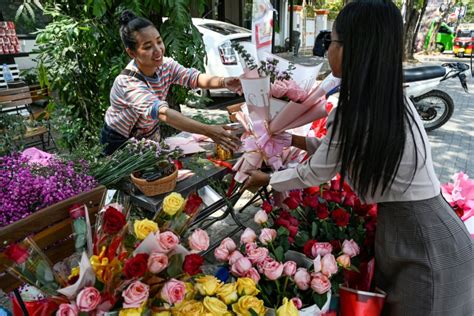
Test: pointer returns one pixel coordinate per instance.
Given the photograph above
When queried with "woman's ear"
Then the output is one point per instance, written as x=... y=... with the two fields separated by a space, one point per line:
x=130 y=52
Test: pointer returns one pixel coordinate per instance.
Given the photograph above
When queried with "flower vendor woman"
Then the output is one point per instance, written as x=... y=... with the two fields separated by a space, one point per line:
x=424 y=254
x=138 y=93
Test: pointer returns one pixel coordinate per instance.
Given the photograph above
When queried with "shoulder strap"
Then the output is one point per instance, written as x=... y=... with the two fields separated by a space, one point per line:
x=131 y=73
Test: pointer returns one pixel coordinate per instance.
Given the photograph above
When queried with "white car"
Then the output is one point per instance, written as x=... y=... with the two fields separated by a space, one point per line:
x=222 y=60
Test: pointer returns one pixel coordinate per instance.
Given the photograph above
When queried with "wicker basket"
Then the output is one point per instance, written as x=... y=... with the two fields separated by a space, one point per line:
x=160 y=186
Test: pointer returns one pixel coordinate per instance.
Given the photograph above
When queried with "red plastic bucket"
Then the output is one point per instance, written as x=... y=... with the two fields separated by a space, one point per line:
x=360 y=303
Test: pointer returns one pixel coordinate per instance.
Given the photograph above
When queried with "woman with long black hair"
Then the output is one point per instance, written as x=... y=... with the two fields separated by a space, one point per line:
x=424 y=253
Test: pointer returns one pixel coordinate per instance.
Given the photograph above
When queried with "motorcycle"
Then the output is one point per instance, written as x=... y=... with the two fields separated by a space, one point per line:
x=434 y=106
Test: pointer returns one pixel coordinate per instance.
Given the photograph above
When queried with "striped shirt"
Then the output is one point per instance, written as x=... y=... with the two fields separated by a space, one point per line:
x=133 y=103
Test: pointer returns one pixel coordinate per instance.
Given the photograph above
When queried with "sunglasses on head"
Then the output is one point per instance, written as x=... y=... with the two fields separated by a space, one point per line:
x=327 y=41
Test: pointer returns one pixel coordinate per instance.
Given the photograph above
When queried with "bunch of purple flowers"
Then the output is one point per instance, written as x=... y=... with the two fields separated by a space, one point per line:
x=26 y=188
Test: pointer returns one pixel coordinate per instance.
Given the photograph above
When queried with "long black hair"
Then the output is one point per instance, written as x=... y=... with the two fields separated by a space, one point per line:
x=372 y=112
x=129 y=24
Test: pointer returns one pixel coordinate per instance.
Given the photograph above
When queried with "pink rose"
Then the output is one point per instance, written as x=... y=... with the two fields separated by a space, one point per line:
x=267 y=235
x=260 y=217
x=173 y=291
x=344 y=261
x=248 y=236
x=328 y=265
x=234 y=256
x=321 y=248
x=262 y=263
x=88 y=299
x=228 y=244
x=199 y=240
x=317 y=264
x=297 y=302
x=289 y=268
x=240 y=267
x=295 y=93
x=350 y=248
x=278 y=89
x=253 y=274
x=257 y=255
x=302 y=279
x=320 y=283
x=221 y=254
x=249 y=246
x=135 y=294
x=167 y=241
x=67 y=310
x=273 y=269
x=157 y=262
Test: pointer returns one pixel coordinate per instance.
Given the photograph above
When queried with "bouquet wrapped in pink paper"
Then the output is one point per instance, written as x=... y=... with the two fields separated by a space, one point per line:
x=276 y=101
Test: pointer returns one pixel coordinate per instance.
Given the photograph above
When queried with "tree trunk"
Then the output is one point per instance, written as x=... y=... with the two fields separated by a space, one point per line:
x=411 y=18
x=418 y=25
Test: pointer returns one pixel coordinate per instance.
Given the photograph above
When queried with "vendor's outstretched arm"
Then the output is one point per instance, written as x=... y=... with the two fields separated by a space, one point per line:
x=219 y=134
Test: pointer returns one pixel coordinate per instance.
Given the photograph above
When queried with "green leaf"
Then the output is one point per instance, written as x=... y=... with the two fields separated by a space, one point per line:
x=282 y=231
x=252 y=312
x=99 y=8
x=175 y=266
x=301 y=238
x=279 y=254
x=314 y=230
x=320 y=299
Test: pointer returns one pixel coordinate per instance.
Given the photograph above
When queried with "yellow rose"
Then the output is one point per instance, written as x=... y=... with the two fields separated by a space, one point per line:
x=247 y=303
x=164 y=313
x=189 y=308
x=131 y=312
x=207 y=285
x=144 y=227
x=287 y=309
x=190 y=291
x=215 y=306
x=246 y=286
x=228 y=293
x=173 y=203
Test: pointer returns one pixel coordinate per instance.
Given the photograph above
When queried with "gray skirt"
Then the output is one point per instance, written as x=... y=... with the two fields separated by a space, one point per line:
x=424 y=259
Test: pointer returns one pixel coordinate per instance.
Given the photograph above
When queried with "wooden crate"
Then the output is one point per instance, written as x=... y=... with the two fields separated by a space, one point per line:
x=50 y=228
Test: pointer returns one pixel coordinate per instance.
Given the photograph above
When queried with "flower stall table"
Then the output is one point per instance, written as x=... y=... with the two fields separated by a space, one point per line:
x=203 y=221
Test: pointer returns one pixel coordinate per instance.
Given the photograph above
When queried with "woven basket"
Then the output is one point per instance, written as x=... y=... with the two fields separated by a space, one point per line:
x=160 y=186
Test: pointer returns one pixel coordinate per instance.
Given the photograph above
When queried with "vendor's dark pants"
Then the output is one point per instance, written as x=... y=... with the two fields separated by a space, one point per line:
x=111 y=139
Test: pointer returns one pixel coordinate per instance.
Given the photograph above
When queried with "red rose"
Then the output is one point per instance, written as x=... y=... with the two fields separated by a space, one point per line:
x=178 y=164
x=336 y=185
x=459 y=211
x=308 y=246
x=293 y=231
x=350 y=199
x=336 y=245
x=16 y=253
x=311 y=191
x=267 y=207
x=311 y=201
x=192 y=264
x=322 y=211
x=193 y=203
x=340 y=217
x=113 y=221
x=77 y=210
x=136 y=267
x=291 y=202
x=296 y=195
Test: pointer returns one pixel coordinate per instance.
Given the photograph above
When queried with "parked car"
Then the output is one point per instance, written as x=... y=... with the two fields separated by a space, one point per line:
x=464 y=42
x=222 y=60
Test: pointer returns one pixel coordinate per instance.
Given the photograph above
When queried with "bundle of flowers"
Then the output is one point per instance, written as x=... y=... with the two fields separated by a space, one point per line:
x=278 y=275
x=136 y=155
x=134 y=266
x=28 y=187
x=325 y=219
x=208 y=295
x=276 y=102
x=460 y=195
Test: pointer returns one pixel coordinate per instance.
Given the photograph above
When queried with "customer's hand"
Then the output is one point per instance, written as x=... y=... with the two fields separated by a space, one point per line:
x=256 y=179
x=221 y=134
x=233 y=84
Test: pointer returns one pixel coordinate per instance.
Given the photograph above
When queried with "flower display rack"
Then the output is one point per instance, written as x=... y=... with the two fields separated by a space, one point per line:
x=50 y=228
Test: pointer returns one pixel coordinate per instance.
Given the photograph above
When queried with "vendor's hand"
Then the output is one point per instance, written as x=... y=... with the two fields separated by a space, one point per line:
x=256 y=179
x=233 y=84
x=221 y=134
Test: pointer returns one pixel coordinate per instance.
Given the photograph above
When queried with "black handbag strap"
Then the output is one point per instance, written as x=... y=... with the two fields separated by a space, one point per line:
x=131 y=73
